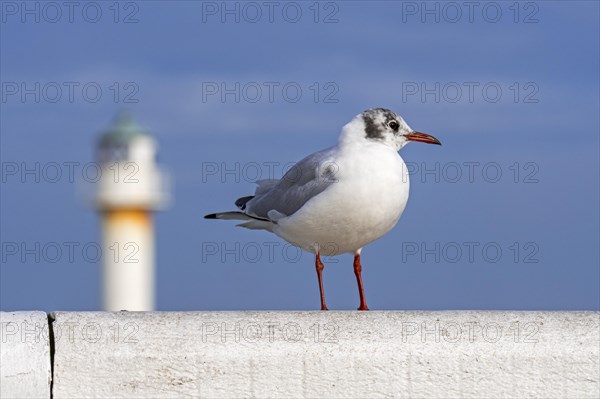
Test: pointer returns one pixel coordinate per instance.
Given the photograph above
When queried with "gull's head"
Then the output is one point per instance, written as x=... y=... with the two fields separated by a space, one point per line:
x=383 y=126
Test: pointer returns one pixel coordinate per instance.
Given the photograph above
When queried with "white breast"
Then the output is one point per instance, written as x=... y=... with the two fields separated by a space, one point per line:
x=364 y=203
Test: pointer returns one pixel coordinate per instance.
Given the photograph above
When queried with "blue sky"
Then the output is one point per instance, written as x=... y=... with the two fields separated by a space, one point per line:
x=540 y=131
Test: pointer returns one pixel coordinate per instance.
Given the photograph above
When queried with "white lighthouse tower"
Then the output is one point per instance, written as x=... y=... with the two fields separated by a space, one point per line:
x=130 y=189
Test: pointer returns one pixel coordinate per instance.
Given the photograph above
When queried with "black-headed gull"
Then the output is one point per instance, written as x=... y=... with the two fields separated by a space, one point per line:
x=339 y=199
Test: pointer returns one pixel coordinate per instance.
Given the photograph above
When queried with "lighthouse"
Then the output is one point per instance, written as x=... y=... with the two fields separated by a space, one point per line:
x=131 y=187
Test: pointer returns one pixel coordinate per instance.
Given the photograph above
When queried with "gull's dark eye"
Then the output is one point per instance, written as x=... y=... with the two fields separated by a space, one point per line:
x=394 y=125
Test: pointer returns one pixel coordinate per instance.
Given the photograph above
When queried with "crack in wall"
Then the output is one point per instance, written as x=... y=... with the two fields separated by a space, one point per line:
x=52 y=350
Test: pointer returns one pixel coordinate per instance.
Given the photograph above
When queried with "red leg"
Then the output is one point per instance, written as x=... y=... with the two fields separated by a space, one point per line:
x=357 y=271
x=319 y=266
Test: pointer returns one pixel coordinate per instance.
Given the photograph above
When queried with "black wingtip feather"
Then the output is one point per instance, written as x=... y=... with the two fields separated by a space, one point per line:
x=241 y=202
x=210 y=216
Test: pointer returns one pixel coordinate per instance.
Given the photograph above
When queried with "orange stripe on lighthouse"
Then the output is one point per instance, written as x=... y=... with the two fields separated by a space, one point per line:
x=140 y=217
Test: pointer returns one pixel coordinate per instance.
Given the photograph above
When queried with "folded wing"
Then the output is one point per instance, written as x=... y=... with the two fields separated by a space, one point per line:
x=307 y=179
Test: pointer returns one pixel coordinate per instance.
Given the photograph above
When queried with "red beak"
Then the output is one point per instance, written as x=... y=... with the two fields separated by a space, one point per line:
x=422 y=137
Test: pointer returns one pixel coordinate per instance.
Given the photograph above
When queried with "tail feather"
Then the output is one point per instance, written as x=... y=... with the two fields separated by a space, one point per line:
x=257 y=225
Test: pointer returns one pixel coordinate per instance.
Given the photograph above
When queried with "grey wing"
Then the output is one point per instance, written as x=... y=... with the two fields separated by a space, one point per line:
x=308 y=178
x=264 y=186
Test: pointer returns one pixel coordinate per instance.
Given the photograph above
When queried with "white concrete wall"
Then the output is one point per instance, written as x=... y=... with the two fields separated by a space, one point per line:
x=24 y=355
x=451 y=354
